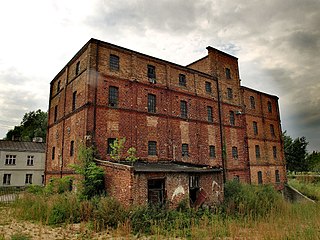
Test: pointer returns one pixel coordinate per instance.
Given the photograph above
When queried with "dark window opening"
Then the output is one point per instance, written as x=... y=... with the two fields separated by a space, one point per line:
x=10 y=160
x=151 y=103
x=212 y=151
x=260 y=181
x=114 y=62
x=152 y=73
x=236 y=178
x=113 y=96
x=257 y=148
x=185 y=150
x=269 y=107
x=209 y=112
x=272 y=130
x=58 y=86
x=28 y=179
x=274 y=149
x=182 y=80
x=30 y=160
x=152 y=148
x=6 y=179
x=208 y=87
x=229 y=93
x=74 y=100
x=71 y=148
x=156 y=191
x=277 y=174
x=78 y=68
x=110 y=142
x=255 y=128
x=183 y=109
x=252 y=102
x=53 y=153
x=55 y=115
x=231 y=117
x=228 y=73
x=235 y=152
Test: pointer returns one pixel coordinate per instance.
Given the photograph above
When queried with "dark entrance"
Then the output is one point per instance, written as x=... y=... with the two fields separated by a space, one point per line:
x=193 y=188
x=156 y=191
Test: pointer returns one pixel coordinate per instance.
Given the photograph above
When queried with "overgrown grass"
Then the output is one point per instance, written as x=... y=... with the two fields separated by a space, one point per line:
x=310 y=189
x=255 y=211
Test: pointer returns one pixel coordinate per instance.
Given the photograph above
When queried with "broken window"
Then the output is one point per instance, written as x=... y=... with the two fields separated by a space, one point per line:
x=274 y=149
x=277 y=174
x=212 y=151
x=78 y=68
x=235 y=152
x=113 y=96
x=182 y=80
x=255 y=128
x=152 y=73
x=231 y=118
x=229 y=93
x=269 y=107
x=252 y=102
x=257 y=148
x=110 y=142
x=156 y=191
x=74 y=100
x=71 y=148
x=272 y=130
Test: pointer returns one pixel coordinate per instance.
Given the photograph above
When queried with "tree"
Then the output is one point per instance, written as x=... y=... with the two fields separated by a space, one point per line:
x=313 y=160
x=33 y=124
x=92 y=176
x=295 y=153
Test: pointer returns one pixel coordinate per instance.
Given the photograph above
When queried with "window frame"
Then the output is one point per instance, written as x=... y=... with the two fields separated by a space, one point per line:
x=232 y=119
x=260 y=177
x=234 y=152
x=208 y=87
x=210 y=114
x=109 y=142
x=151 y=73
x=74 y=100
x=152 y=103
x=114 y=62
x=28 y=179
x=113 y=97
x=6 y=179
x=185 y=150
x=269 y=106
x=272 y=131
x=71 y=148
x=229 y=93
x=252 y=102
x=53 y=153
x=77 y=68
x=228 y=73
x=274 y=152
x=183 y=109
x=55 y=114
x=152 y=148
x=277 y=176
x=182 y=80
x=10 y=159
x=212 y=151
x=257 y=151
x=30 y=160
x=255 y=127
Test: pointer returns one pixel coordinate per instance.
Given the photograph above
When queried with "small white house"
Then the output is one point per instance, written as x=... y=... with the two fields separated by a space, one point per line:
x=21 y=163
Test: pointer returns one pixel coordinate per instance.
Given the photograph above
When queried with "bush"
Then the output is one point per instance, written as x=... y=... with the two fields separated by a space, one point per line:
x=109 y=213
x=250 y=200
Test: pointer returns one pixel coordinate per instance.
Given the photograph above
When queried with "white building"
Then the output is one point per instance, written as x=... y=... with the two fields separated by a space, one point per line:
x=21 y=163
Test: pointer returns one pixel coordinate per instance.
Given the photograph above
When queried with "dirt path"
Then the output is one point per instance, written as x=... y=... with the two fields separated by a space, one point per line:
x=10 y=226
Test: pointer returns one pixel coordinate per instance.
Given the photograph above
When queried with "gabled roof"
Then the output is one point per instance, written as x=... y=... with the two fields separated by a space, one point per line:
x=22 y=146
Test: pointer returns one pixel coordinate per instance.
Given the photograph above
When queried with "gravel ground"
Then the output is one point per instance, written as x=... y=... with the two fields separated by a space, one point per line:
x=9 y=226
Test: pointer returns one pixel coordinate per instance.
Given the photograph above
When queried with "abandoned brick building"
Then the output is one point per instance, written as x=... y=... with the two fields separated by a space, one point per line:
x=193 y=126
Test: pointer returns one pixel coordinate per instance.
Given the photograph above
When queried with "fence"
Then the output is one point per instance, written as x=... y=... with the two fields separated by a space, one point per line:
x=9 y=194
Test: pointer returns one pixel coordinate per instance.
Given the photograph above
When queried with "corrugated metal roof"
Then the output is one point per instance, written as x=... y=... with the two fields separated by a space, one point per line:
x=22 y=146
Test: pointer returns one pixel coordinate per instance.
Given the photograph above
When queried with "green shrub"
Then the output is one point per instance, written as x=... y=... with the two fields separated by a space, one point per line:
x=109 y=213
x=250 y=200
x=20 y=236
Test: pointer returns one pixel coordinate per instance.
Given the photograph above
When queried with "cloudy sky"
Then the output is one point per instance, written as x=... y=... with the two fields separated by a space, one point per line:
x=277 y=43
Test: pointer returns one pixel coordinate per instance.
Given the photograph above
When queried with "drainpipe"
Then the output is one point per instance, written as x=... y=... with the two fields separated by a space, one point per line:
x=224 y=164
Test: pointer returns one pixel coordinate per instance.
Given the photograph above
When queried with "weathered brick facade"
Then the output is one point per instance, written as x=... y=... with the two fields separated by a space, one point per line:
x=80 y=110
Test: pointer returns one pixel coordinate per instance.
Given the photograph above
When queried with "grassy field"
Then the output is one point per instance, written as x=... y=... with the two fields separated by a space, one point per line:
x=249 y=212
